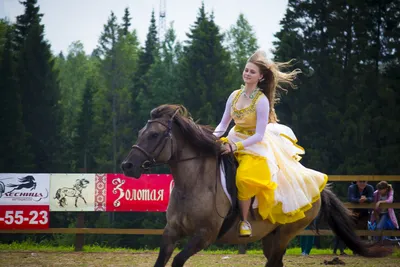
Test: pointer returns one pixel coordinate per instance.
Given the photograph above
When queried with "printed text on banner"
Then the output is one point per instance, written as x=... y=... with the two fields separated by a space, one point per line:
x=148 y=193
x=24 y=217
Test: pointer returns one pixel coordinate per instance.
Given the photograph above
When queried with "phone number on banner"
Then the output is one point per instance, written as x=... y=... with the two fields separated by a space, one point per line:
x=24 y=217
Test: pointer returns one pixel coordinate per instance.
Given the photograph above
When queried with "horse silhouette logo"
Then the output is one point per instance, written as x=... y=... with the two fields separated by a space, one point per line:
x=27 y=182
x=74 y=192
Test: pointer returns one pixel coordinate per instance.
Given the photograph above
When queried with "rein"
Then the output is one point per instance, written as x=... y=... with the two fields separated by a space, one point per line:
x=151 y=160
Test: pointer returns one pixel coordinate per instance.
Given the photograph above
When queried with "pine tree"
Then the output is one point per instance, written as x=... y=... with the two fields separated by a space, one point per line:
x=126 y=22
x=142 y=80
x=37 y=82
x=84 y=141
x=14 y=151
x=147 y=58
x=205 y=71
x=242 y=44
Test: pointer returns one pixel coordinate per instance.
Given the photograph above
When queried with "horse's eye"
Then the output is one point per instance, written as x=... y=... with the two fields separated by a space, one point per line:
x=154 y=135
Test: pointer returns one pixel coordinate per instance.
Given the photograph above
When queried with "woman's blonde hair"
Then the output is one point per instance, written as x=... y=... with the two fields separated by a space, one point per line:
x=273 y=78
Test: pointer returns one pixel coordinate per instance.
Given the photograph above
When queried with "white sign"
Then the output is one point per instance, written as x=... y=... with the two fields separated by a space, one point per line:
x=24 y=188
x=72 y=192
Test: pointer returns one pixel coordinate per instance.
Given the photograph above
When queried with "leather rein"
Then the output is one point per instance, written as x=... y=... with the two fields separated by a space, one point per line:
x=151 y=158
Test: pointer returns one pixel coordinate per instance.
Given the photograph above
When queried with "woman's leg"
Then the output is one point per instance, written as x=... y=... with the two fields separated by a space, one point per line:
x=381 y=223
x=310 y=244
x=303 y=245
x=252 y=176
x=244 y=208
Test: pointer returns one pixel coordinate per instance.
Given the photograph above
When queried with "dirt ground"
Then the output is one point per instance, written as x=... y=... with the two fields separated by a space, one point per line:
x=13 y=258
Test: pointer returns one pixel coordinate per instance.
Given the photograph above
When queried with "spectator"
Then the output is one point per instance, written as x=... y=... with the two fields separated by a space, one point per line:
x=361 y=192
x=307 y=241
x=385 y=218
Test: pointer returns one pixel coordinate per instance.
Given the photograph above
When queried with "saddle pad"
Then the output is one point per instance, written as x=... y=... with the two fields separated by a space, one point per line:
x=223 y=182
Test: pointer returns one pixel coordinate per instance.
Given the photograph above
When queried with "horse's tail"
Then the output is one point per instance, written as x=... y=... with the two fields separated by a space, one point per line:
x=12 y=185
x=340 y=220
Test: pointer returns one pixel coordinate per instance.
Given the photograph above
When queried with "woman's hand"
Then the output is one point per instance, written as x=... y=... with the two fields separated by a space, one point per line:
x=228 y=148
x=377 y=204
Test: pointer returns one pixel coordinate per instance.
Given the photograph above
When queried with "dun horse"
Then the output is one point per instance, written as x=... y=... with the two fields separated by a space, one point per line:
x=199 y=207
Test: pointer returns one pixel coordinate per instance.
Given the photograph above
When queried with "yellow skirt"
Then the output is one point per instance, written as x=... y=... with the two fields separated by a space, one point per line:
x=253 y=178
x=271 y=171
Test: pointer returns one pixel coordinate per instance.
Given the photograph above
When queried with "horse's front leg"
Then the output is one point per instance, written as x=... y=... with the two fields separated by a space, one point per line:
x=76 y=201
x=169 y=239
x=84 y=200
x=201 y=239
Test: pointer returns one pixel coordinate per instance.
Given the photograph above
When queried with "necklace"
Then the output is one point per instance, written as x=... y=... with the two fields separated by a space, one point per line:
x=251 y=96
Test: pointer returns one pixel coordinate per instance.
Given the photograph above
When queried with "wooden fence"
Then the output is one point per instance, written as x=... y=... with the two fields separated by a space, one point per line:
x=80 y=231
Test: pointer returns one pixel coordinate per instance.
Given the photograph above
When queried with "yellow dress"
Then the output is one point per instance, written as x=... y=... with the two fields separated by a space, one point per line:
x=270 y=169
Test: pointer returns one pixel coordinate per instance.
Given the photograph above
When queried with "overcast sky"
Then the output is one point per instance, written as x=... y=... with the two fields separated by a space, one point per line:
x=71 y=20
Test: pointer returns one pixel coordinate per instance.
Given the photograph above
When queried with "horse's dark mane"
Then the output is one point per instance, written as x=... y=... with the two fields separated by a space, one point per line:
x=200 y=136
x=26 y=179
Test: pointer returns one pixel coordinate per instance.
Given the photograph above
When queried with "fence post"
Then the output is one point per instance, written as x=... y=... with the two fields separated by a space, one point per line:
x=80 y=238
x=242 y=249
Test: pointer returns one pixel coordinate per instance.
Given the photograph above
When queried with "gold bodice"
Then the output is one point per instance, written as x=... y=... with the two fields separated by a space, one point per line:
x=245 y=118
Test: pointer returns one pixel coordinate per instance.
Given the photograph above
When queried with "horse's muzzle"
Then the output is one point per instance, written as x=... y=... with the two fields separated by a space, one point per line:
x=131 y=170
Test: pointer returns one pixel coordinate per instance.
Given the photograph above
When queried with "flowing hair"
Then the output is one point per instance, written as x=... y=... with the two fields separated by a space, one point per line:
x=273 y=79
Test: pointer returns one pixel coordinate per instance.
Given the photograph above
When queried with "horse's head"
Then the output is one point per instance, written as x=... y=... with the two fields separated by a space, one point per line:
x=160 y=142
x=82 y=183
x=154 y=143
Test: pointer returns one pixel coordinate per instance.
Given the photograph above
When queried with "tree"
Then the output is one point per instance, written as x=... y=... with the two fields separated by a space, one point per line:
x=142 y=80
x=242 y=44
x=14 y=151
x=84 y=141
x=126 y=22
x=38 y=85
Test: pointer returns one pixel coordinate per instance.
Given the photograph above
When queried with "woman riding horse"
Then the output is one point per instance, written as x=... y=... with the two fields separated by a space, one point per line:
x=266 y=151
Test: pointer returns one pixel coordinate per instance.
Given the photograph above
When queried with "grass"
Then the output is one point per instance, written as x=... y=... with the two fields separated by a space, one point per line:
x=31 y=254
x=31 y=246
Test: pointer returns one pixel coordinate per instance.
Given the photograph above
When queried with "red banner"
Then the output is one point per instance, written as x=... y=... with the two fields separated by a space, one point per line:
x=148 y=193
x=24 y=217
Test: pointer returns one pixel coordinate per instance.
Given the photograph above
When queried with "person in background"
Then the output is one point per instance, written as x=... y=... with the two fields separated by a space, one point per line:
x=307 y=241
x=385 y=218
x=361 y=192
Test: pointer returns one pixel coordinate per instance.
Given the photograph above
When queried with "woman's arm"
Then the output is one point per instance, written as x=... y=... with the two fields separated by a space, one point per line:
x=390 y=197
x=262 y=111
x=226 y=118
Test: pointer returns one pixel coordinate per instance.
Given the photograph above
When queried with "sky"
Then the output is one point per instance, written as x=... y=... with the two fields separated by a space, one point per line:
x=67 y=21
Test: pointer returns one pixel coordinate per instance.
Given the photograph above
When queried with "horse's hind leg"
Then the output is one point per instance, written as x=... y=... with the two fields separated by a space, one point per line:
x=169 y=239
x=276 y=242
x=199 y=241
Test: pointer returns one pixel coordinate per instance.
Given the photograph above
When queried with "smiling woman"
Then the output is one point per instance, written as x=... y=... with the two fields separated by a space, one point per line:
x=268 y=156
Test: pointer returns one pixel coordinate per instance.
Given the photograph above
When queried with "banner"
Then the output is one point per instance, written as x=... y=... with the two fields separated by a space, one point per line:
x=84 y=192
x=148 y=193
x=24 y=189
x=72 y=192
x=24 y=217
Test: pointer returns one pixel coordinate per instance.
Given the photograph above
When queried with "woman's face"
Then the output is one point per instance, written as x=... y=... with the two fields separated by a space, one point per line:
x=251 y=73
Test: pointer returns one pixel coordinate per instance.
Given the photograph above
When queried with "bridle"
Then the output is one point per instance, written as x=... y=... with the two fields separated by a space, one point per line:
x=151 y=160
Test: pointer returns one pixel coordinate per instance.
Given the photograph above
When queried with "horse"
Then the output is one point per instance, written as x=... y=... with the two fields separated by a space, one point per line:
x=75 y=192
x=27 y=182
x=200 y=209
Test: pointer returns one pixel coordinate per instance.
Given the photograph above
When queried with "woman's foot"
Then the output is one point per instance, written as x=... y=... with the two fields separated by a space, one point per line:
x=244 y=229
